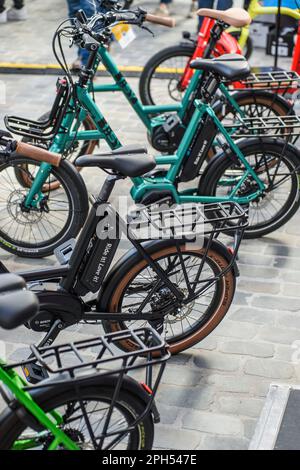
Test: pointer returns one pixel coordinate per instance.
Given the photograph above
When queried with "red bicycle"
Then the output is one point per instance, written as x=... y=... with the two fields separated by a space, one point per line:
x=167 y=74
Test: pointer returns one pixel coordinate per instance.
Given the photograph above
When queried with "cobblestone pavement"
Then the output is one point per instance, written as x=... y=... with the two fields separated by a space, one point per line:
x=211 y=395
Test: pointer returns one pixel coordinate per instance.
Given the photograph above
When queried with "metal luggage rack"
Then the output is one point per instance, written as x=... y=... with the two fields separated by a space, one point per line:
x=98 y=355
x=286 y=126
x=186 y=219
x=47 y=129
x=277 y=79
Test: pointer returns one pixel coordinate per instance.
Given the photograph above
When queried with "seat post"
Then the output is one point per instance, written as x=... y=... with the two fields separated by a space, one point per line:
x=209 y=88
x=108 y=187
x=215 y=35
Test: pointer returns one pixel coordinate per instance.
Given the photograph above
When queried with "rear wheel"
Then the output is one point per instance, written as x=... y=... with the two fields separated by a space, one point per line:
x=160 y=80
x=96 y=402
x=248 y=49
x=131 y=291
x=277 y=165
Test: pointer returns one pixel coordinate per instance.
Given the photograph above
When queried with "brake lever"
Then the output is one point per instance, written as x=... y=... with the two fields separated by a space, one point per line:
x=147 y=29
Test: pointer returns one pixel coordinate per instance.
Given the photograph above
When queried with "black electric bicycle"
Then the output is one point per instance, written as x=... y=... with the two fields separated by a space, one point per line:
x=180 y=283
x=89 y=401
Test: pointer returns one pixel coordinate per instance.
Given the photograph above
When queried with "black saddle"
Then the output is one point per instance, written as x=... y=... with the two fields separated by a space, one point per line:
x=16 y=304
x=128 y=161
x=230 y=66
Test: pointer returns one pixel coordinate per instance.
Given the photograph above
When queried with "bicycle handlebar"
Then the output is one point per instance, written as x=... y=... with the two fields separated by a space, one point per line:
x=164 y=21
x=27 y=150
x=38 y=154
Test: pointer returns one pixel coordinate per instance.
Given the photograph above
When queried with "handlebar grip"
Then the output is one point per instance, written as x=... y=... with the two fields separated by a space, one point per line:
x=39 y=154
x=169 y=22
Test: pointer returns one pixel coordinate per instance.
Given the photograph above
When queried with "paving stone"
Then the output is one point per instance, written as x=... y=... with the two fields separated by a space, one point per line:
x=186 y=377
x=269 y=368
x=240 y=384
x=289 y=320
x=247 y=348
x=168 y=437
x=255 y=315
x=241 y=406
x=292 y=290
x=260 y=272
x=249 y=427
x=216 y=361
x=224 y=443
x=277 y=302
x=279 y=335
x=213 y=423
x=235 y=329
x=209 y=344
x=259 y=287
x=198 y=398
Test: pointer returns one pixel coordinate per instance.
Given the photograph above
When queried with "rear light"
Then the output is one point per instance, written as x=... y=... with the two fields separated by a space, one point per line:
x=147 y=388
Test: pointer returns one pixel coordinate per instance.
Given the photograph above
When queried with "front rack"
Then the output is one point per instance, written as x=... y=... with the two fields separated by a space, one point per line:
x=98 y=355
x=279 y=80
x=43 y=130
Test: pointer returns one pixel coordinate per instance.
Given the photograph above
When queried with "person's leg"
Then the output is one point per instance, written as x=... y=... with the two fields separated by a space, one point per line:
x=2 y=6
x=18 y=4
x=224 y=4
x=204 y=4
x=162 y=8
x=18 y=11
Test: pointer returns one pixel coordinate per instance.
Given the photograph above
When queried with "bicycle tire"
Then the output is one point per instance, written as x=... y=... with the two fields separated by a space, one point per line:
x=129 y=269
x=76 y=198
x=53 y=397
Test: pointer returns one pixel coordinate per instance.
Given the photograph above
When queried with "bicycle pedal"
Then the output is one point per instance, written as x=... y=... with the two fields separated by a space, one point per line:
x=34 y=373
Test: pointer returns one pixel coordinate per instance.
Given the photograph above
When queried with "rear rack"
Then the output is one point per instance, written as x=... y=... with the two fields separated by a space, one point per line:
x=98 y=355
x=47 y=129
x=271 y=126
x=279 y=80
x=184 y=220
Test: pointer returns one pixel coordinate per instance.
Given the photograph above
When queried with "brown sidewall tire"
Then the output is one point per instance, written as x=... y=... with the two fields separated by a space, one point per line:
x=228 y=286
x=278 y=108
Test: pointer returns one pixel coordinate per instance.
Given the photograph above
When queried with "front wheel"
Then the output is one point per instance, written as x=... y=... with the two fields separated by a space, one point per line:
x=83 y=419
x=277 y=164
x=52 y=218
x=131 y=290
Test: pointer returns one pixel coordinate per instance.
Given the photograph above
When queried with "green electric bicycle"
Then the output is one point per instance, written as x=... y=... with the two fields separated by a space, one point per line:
x=89 y=401
x=258 y=172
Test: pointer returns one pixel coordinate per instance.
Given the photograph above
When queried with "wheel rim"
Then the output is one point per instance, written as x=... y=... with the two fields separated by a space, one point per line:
x=38 y=227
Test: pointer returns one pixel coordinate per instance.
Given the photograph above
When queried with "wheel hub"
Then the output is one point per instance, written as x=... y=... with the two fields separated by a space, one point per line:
x=18 y=211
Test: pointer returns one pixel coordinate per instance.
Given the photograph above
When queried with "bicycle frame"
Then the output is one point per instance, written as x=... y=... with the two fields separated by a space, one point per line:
x=51 y=422
x=255 y=9
x=70 y=131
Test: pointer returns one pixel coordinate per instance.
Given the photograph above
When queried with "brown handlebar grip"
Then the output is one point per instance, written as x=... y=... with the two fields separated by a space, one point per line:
x=169 y=22
x=39 y=154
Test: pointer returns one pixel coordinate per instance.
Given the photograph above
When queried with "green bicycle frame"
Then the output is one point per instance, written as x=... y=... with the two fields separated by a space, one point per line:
x=51 y=421
x=71 y=123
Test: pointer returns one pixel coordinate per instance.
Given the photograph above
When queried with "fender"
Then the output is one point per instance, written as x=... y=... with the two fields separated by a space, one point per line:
x=132 y=257
x=42 y=395
x=243 y=143
x=239 y=94
x=80 y=185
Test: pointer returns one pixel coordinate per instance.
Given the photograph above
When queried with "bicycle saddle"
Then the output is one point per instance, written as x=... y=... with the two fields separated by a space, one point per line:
x=16 y=304
x=230 y=66
x=237 y=17
x=126 y=163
